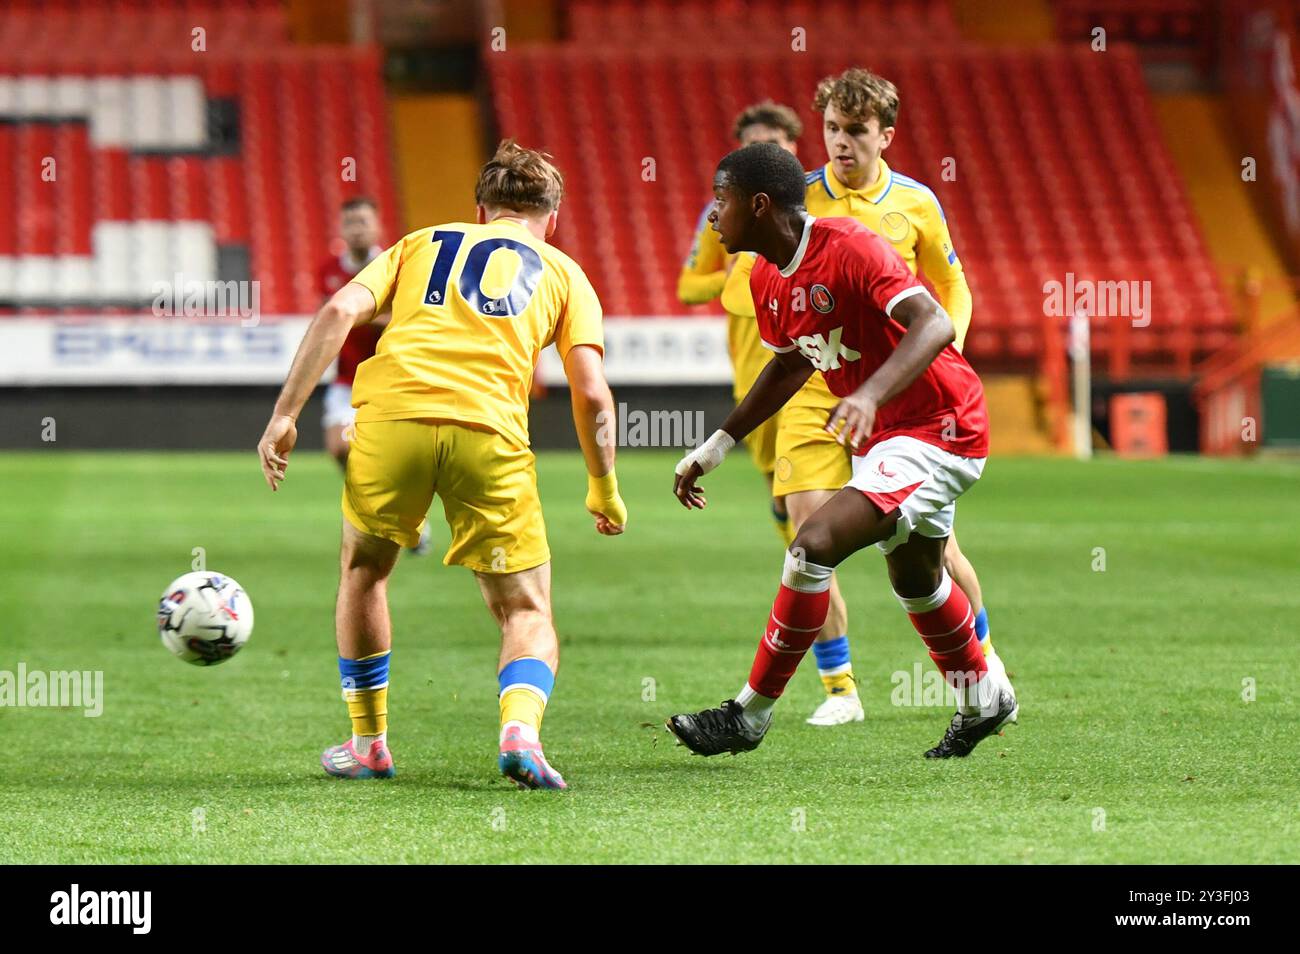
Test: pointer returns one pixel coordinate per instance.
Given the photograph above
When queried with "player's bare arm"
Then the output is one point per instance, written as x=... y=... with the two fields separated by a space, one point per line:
x=351 y=305
x=749 y=222
x=594 y=421
x=929 y=331
x=784 y=375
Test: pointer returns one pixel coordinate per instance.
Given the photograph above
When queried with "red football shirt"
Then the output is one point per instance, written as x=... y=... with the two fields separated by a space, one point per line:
x=333 y=274
x=832 y=304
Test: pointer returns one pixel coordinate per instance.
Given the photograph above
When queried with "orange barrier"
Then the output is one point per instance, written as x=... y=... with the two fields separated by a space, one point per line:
x=1137 y=424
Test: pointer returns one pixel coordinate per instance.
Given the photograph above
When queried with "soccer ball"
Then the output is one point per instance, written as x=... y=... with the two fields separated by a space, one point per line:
x=204 y=618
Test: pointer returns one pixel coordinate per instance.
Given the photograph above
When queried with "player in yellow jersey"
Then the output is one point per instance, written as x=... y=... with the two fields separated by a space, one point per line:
x=709 y=272
x=442 y=408
x=859 y=110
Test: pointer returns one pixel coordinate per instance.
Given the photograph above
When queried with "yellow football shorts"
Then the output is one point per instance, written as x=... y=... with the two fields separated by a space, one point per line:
x=761 y=444
x=748 y=359
x=488 y=488
x=807 y=457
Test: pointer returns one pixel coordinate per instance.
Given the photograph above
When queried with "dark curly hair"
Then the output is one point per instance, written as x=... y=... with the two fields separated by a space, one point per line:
x=766 y=167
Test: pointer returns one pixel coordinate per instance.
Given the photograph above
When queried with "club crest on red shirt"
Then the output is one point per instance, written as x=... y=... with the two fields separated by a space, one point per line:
x=821 y=299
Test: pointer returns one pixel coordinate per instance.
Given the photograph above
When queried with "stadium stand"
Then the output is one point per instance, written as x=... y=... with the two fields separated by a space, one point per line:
x=1168 y=30
x=232 y=141
x=674 y=24
x=1059 y=163
x=226 y=162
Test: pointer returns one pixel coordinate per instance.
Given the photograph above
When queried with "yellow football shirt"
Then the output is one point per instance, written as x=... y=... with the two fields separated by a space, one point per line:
x=705 y=270
x=473 y=307
x=901 y=210
x=704 y=277
x=907 y=214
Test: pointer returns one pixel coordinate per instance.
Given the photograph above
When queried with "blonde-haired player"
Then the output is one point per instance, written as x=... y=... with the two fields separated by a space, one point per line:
x=709 y=272
x=442 y=408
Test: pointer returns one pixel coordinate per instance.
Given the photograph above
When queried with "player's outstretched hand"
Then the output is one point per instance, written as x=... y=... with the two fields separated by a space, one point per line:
x=277 y=441
x=685 y=487
x=852 y=419
x=696 y=464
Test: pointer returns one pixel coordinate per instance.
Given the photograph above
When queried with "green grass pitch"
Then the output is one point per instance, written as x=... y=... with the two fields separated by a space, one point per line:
x=1135 y=744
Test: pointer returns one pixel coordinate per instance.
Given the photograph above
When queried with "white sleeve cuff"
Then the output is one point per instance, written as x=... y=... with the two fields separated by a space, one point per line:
x=771 y=347
x=905 y=293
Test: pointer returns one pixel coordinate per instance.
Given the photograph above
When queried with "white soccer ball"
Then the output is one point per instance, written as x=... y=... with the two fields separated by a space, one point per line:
x=205 y=618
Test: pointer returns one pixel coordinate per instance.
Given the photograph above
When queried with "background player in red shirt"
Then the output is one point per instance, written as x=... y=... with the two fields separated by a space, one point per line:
x=360 y=228
x=832 y=296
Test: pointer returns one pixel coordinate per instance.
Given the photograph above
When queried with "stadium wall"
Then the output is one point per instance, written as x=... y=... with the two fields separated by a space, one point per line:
x=191 y=418
x=162 y=417
x=209 y=383
x=188 y=384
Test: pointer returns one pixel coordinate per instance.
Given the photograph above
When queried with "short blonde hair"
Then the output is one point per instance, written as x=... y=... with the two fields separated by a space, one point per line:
x=860 y=94
x=519 y=179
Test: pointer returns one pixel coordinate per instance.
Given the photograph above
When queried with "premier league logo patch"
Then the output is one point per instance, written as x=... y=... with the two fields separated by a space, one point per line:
x=821 y=299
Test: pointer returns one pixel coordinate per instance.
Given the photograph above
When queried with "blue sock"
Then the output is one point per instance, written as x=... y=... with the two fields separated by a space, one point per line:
x=831 y=654
x=365 y=690
x=370 y=672
x=525 y=686
x=526 y=672
x=981 y=625
x=834 y=667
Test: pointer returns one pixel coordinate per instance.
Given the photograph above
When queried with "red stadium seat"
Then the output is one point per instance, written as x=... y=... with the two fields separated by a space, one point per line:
x=1168 y=30
x=135 y=166
x=1024 y=209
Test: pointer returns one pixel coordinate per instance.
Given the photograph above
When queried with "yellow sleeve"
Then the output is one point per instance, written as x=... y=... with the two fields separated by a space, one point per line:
x=580 y=323
x=939 y=263
x=737 y=299
x=704 y=271
x=380 y=276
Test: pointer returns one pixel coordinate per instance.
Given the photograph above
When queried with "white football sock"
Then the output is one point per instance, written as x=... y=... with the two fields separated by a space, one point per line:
x=757 y=709
x=362 y=743
x=980 y=698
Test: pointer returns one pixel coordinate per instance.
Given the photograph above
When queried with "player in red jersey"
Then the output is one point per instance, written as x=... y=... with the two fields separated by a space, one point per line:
x=834 y=297
x=359 y=226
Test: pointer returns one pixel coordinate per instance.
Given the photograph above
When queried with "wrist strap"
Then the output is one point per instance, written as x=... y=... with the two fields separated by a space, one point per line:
x=606 y=486
x=718 y=445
